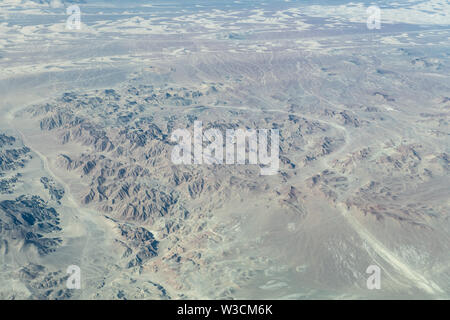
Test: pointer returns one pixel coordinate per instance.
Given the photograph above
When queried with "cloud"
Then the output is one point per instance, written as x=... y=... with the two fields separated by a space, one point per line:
x=431 y=12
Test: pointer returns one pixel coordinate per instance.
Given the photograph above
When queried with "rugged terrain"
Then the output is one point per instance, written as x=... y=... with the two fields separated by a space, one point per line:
x=86 y=176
